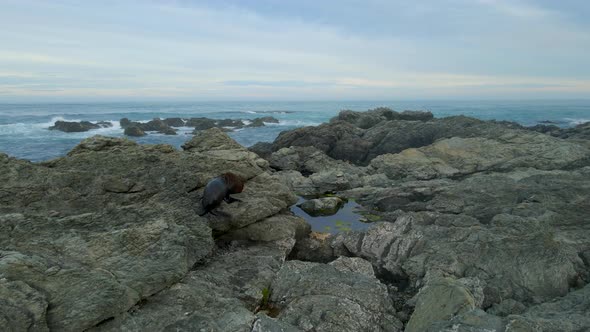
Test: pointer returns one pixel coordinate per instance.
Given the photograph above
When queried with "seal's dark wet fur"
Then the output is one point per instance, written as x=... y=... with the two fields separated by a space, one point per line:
x=219 y=189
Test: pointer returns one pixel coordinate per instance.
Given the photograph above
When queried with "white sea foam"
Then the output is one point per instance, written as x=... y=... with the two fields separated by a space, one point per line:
x=297 y=123
x=36 y=129
x=575 y=122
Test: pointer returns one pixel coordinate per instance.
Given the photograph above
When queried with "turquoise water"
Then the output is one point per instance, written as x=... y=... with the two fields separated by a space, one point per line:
x=24 y=133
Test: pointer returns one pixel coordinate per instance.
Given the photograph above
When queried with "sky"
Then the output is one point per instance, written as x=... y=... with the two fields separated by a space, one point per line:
x=65 y=50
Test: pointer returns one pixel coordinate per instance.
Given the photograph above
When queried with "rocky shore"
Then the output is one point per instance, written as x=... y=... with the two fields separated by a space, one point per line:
x=164 y=126
x=478 y=226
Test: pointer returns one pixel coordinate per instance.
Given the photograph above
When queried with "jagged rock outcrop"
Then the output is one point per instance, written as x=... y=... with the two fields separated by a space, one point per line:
x=133 y=128
x=75 y=127
x=348 y=140
x=260 y=122
x=89 y=236
x=579 y=132
x=337 y=297
x=485 y=220
x=134 y=131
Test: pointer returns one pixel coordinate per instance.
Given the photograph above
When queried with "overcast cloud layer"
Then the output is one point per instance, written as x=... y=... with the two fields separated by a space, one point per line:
x=293 y=50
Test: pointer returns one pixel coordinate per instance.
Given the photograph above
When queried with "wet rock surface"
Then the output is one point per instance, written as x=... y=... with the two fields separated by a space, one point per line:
x=324 y=206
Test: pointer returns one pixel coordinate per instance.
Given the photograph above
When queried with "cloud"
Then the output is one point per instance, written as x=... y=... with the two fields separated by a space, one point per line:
x=292 y=50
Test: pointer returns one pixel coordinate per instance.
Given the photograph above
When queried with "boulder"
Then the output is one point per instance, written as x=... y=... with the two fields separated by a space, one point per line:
x=134 y=131
x=174 y=122
x=325 y=206
x=125 y=122
x=259 y=122
x=155 y=125
x=440 y=300
x=200 y=123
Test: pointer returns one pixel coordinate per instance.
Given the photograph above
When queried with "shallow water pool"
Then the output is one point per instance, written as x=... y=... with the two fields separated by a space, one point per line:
x=346 y=219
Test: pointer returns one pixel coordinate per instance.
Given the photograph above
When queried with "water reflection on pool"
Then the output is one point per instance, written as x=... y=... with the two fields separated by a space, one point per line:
x=346 y=219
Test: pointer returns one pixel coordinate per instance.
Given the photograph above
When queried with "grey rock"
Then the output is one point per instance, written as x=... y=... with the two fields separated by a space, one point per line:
x=22 y=308
x=115 y=222
x=200 y=123
x=324 y=206
x=167 y=131
x=134 y=131
x=174 y=122
x=320 y=297
x=345 y=139
x=474 y=320
x=568 y=314
x=461 y=156
x=155 y=125
x=420 y=243
x=220 y=295
x=507 y=307
x=263 y=196
x=229 y=123
x=210 y=140
x=264 y=323
x=259 y=122
x=274 y=228
x=314 y=248
x=125 y=122
x=354 y=264
x=133 y=128
x=263 y=149
x=439 y=300
x=74 y=127
x=579 y=132
x=371 y=118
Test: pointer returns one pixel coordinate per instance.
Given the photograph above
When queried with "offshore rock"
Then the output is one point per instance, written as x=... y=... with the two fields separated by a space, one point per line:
x=74 y=127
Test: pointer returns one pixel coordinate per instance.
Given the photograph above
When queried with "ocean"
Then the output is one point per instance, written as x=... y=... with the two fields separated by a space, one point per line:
x=24 y=133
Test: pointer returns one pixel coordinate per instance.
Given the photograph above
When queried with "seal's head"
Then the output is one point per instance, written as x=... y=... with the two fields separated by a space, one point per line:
x=234 y=182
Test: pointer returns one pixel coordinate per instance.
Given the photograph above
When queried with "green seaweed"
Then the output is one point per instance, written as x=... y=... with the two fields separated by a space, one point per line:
x=372 y=217
x=265 y=297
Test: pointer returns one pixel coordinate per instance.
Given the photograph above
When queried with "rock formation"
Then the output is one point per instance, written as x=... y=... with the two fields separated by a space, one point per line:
x=484 y=224
x=478 y=226
x=74 y=127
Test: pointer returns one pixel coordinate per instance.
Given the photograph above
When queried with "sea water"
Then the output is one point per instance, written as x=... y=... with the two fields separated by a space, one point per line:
x=24 y=127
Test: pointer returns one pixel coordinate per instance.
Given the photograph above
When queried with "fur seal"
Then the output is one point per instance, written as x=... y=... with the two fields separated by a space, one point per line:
x=219 y=189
